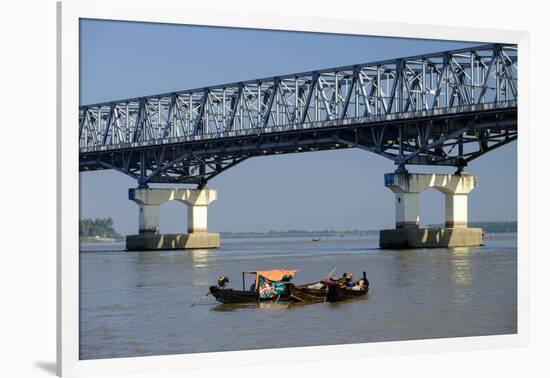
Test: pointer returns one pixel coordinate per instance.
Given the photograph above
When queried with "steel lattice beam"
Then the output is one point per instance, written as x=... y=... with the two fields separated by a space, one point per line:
x=437 y=109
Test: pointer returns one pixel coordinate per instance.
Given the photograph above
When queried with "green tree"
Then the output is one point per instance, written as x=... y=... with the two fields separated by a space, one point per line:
x=103 y=227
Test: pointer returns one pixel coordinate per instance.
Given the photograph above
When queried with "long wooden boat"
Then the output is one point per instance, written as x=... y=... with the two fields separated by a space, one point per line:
x=330 y=292
x=225 y=295
x=255 y=294
x=333 y=292
x=304 y=293
x=338 y=293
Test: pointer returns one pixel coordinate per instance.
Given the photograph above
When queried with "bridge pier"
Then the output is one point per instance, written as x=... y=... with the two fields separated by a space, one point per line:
x=149 y=236
x=408 y=234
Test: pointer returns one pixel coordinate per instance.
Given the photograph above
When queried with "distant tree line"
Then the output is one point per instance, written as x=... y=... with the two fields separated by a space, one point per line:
x=102 y=227
x=492 y=227
x=297 y=233
x=495 y=227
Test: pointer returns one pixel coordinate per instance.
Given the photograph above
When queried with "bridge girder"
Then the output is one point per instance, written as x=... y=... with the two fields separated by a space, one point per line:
x=442 y=141
x=439 y=109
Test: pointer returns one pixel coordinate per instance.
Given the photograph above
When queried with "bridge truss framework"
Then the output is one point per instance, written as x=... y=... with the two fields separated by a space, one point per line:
x=444 y=108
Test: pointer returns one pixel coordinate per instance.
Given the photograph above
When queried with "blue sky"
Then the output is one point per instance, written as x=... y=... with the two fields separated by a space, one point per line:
x=321 y=190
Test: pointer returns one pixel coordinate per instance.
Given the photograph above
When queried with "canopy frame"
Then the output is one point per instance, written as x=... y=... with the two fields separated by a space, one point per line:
x=291 y=272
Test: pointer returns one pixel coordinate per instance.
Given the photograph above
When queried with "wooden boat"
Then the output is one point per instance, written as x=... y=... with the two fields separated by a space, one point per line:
x=331 y=292
x=338 y=293
x=233 y=296
x=304 y=293
x=256 y=293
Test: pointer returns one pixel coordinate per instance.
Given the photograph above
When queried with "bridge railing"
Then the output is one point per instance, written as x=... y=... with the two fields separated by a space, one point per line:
x=468 y=79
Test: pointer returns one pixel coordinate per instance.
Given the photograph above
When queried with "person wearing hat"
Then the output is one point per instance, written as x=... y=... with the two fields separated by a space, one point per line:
x=348 y=280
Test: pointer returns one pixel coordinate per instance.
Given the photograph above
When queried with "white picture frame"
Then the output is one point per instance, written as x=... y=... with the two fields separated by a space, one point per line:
x=176 y=12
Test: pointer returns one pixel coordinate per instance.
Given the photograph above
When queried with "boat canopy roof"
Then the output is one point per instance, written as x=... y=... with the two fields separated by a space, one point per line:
x=273 y=275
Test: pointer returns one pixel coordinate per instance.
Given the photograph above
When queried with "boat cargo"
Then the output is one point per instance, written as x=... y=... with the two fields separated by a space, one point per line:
x=276 y=285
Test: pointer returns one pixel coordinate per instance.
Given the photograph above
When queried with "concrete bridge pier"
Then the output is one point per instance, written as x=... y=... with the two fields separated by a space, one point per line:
x=149 y=236
x=407 y=233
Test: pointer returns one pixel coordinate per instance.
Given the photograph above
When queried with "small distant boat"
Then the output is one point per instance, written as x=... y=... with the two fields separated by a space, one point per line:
x=316 y=239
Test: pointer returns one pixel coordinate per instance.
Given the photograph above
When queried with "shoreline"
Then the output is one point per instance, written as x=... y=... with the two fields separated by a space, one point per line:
x=98 y=239
x=274 y=235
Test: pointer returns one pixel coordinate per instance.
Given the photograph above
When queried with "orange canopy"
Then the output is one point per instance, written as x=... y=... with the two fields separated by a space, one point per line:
x=273 y=275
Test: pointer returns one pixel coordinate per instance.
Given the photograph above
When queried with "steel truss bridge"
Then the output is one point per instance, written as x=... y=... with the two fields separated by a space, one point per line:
x=442 y=109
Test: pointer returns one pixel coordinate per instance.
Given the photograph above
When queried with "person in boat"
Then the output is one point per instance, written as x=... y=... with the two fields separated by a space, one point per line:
x=362 y=284
x=285 y=279
x=359 y=285
x=282 y=287
x=364 y=281
x=325 y=282
x=348 y=281
x=222 y=281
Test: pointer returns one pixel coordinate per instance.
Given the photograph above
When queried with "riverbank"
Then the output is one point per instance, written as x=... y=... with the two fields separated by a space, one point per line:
x=488 y=227
x=100 y=239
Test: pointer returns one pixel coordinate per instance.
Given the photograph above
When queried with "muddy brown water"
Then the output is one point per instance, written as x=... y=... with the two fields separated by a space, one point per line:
x=153 y=303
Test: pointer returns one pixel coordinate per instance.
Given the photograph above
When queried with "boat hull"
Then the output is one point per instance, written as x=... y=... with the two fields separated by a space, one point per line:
x=239 y=296
x=332 y=294
x=303 y=293
x=336 y=293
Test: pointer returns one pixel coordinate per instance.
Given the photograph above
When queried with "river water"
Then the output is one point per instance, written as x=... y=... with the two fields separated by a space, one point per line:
x=152 y=303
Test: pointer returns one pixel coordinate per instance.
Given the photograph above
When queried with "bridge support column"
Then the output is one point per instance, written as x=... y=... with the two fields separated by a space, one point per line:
x=197 y=202
x=406 y=209
x=149 y=210
x=407 y=233
x=150 y=238
x=456 y=210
